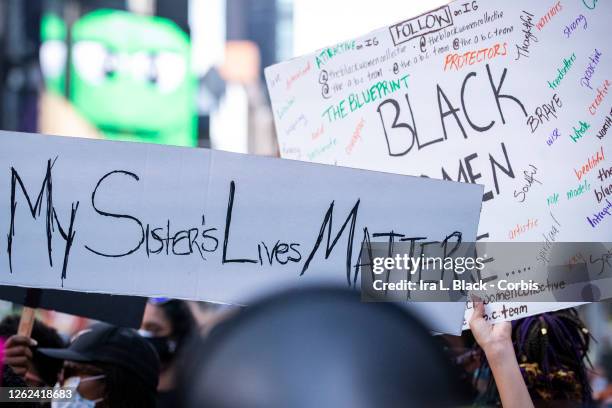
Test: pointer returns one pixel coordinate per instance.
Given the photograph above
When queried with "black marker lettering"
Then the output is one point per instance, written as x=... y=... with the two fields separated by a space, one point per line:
x=228 y=222
x=108 y=214
x=327 y=223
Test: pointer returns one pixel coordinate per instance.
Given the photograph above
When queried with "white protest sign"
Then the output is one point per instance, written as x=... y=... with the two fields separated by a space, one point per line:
x=514 y=95
x=150 y=220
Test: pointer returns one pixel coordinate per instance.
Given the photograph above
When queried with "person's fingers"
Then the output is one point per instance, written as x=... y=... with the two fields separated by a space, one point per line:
x=17 y=340
x=19 y=364
x=478 y=308
x=477 y=317
x=17 y=361
x=479 y=326
x=18 y=351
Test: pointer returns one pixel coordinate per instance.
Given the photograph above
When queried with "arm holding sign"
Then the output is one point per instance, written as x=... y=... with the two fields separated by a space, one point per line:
x=496 y=341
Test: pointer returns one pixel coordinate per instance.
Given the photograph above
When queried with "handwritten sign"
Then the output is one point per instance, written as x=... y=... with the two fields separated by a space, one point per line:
x=150 y=220
x=515 y=96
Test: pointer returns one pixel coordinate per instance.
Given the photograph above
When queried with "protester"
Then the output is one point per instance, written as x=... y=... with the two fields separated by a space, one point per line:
x=10 y=379
x=167 y=323
x=109 y=366
x=325 y=348
x=43 y=371
x=552 y=352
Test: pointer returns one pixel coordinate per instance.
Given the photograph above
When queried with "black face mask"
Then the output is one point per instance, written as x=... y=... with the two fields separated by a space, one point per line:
x=165 y=347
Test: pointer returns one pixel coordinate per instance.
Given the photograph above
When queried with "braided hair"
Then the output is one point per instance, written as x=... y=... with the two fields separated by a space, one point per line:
x=551 y=349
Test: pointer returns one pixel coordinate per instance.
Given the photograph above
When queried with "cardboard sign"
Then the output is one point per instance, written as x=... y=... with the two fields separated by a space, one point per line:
x=516 y=96
x=125 y=311
x=150 y=220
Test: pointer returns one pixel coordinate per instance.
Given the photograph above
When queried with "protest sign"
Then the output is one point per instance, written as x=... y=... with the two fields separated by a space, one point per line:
x=125 y=311
x=151 y=220
x=512 y=95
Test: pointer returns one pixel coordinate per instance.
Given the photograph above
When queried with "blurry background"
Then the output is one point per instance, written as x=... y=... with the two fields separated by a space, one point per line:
x=181 y=72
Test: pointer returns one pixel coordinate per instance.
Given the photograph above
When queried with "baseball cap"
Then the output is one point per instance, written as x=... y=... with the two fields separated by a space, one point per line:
x=104 y=343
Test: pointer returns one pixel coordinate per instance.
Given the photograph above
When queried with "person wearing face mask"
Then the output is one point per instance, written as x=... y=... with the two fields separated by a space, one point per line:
x=167 y=324
x=107 y=366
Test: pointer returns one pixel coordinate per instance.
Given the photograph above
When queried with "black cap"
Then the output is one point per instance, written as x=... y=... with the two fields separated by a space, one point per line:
x=120 y=346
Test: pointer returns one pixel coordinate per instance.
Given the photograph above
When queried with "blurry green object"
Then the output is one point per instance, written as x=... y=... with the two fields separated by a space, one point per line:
x=130 y=76
x=53 y=52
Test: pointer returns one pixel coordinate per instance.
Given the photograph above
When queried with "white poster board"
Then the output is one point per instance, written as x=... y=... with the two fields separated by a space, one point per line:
x=514 y=95
x=150 y=220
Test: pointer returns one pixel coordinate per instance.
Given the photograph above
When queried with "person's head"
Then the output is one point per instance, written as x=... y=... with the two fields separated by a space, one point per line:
x=318 y=348
x=111 y=366
x=169 y=322
x=551 y=349
x=44 y=372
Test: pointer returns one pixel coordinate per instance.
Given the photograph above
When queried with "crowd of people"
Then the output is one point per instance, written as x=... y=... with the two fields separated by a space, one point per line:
x=311 y=348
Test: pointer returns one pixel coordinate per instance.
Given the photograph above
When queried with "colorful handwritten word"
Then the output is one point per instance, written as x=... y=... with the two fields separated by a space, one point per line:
x=328 y=53
x=578 y=191
x=291 y=151
x=551 y=139
x=284 y=109
x=601 y=95
x=356 y=137
x=601 y=215
x=591 y=163
x=567 y=64
x=300 y=120
x=590 y=4
x=458 y=61
x=606 y=126
x=523 y=50
x=544 y=112
x=356 y=101
x=274 y=81
x=522 y=228
x=588 y=73
x=553 y=199
x=292 y=78
x=317 y=133
x=320 y=150
x=549 y=238
x=603 y=192
x=548 y=16
x=569 y=29
x=604 y=174
x=529 y=177
x=578 y=133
